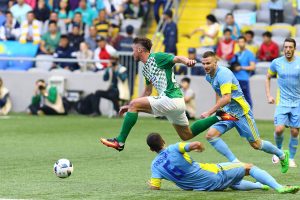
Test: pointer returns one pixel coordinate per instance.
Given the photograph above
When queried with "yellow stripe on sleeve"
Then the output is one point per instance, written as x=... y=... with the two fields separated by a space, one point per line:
x=181 y=147
x=271 y=72
x=226 y=88
x=155 y=182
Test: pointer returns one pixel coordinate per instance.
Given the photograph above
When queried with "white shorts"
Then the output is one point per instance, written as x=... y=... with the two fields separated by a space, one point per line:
x=173 y=109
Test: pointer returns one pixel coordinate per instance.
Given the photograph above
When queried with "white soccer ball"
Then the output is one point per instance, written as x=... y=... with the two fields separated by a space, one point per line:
x=63 y=168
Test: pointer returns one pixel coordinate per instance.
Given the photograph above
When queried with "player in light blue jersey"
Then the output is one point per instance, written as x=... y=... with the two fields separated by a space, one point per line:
x=232 y=101
x=287 y=114
x=174 y=164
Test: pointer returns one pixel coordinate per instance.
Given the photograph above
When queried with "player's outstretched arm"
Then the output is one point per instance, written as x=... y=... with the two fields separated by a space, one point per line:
x=185 y=61
x=196 y=146
x=147 y=90
x=224 y=100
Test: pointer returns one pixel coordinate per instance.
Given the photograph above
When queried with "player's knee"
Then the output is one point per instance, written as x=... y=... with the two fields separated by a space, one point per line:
x=211 y=134
x=133 y=105
x=294 y=132
x=256 y=145
x=248 y=167
x=279 y=130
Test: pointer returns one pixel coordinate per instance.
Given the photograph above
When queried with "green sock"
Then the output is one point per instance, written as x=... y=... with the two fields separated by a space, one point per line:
x=128 y=123
x=201 y=125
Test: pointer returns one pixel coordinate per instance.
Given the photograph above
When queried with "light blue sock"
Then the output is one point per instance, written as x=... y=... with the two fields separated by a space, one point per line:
x=293 y=146
x=278 y=140
x=222 y=148
x=264 y=177
x=268 y=147
x=247 y=185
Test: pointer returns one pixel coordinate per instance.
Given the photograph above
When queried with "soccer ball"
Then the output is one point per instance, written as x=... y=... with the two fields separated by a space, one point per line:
x=63 y=168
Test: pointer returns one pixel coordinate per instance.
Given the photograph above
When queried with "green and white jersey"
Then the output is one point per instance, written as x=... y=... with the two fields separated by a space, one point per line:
x=158 y=70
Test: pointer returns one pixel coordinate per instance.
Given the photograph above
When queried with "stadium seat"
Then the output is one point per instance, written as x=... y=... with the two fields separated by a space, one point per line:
x=263 y=16
x=246 y=5
x=42 y=64
x=279 y=40
x=282 y=29
x=220 y=14
x=288 y=13
x=281 y=32
x=297 y=27
x=136 y=23
x=226 y=5
x=264 y=6
x=258 y=39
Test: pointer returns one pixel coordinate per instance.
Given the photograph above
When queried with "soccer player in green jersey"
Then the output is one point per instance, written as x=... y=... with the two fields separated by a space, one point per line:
x=158 y=72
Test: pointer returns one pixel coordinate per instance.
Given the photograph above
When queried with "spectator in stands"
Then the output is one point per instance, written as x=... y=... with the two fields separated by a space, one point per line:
x=209 y=32
x=31 y=29
x=225 y=48
x=268 y=50
x=46 y=100
x=123 y=43
x=4 y=6
x=64 y=12
x=74 y=4
x=60 y=23
x=276 y=11
x=88 y=14
x=10 y=29
x=244 y=65
x=251 y=45
x=91 y=39
x=41 y=11
x=87 y=54
x=232 y=25
x=157 y=5
x=77 y=21
x=20 y=10
x=170 y=33
x=2 y=16
x=296 y=11
x=64 y=51
x=114 y=10
x=50 y=40
x=103 y=52
x=5 y=103
x=102 y=25
x=31 y=3
x=116 y=74
x=75 y=38
x=189 y=98
x=134 y=10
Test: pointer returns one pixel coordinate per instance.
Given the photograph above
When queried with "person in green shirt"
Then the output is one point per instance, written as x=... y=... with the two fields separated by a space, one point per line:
x=50 y=40
x=88 y=14
x=46 y=100
x=158 y=73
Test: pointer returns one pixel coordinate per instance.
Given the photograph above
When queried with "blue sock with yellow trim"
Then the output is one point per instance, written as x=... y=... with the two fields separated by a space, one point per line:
x=293 y=146
x=247 y=185
x=278 y=140
x=264 y=177
x=268 y=147
x=222 y=148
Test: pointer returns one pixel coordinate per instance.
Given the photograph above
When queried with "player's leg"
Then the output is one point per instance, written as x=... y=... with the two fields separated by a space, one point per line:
x=213 y=136
x=247 y=128
x=293 y=145
x=294 y=123
x=137 y=105
x=248 y=185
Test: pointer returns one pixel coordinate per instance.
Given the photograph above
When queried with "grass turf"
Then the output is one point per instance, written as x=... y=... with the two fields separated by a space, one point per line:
x=29 y=146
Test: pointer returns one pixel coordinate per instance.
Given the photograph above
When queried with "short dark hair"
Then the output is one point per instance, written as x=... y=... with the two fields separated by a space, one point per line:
x=227 y=30
x=290 y=40
x=208 y=54
x=145 y=42
x=155 y=142
x=30 y=12
x=229 y=14
x=267 y=34
x=8 y=13
x=250 y=33
x=52 y=22
x=211 y=18
x=64 y=37
x=169 y=13
x=41 y=80
x=186 y=79
x=241 y=37
x=78 y=13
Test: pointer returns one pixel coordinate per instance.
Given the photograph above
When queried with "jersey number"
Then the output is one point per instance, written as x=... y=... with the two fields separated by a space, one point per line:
x=173 y=170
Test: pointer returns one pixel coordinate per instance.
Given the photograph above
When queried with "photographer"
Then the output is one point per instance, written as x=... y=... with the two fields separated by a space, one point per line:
x=5 y=104
x=46 y=100
x=118 y=89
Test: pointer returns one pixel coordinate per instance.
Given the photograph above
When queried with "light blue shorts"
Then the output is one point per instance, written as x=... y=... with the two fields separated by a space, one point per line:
x=246 y=127
x=288 y=116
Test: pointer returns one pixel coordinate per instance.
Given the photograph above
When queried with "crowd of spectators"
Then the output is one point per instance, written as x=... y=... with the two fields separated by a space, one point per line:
x=83 y=29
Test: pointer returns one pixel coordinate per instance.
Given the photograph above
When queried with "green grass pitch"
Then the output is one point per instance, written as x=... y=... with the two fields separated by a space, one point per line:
x=29 y=146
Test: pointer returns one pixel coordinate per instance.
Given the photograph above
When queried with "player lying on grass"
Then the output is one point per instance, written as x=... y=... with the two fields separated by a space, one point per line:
x=174 y=164
x=158 y=72
x=232 y=101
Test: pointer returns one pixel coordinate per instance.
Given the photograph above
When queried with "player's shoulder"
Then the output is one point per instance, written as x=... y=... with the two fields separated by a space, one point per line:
x=278 y=60
x=223 y=71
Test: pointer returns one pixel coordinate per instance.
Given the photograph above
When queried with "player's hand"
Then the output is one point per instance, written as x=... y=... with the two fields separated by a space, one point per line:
x=204 y=115
x=123 y=110
x=191 y=63
x=271 y=100
x=200 y=147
